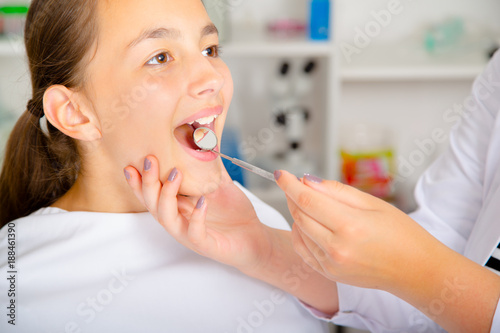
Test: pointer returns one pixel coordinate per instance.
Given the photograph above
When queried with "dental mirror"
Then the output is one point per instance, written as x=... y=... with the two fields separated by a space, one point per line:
x=207 y=140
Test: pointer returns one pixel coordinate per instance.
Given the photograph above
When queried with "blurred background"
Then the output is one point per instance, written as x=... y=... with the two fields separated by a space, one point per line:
x=370 y=104
x=363 y=91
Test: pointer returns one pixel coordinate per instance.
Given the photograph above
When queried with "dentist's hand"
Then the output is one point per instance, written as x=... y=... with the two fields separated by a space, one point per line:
x=355 y=238
x=350 y=236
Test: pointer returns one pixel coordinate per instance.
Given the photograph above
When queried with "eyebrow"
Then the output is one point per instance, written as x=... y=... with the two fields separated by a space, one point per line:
x=165 y=33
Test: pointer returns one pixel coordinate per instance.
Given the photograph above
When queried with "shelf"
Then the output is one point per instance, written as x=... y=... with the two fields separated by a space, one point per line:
x=277 y=48
x=255 y=42
x=406 y=63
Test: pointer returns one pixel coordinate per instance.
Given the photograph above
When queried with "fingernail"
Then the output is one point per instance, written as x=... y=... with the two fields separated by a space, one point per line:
x=147 y=164
x=173 y=174
x=127 y=174
x=277 y=174
x=313 y=179
x=299 y=179
x=200 y=202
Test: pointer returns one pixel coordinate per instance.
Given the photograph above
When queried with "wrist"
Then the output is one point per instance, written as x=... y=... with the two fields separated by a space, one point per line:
x=285 y=269
x=452 y=290
x=270 y=255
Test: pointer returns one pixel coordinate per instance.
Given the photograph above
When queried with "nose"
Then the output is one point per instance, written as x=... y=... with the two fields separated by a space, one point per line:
x=206 y=78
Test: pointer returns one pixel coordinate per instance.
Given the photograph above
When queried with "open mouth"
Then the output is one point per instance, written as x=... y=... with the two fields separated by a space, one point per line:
x=184 y=133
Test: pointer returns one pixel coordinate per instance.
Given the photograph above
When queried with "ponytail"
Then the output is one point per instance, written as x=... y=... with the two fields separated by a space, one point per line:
x=41 y=166
x=38 y=169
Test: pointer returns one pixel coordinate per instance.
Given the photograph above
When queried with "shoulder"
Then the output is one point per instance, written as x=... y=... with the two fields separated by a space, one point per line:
x=267 y=214
x=51 y=225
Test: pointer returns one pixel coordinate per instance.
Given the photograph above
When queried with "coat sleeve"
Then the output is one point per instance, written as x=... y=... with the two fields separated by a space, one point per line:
x=449 y=196
x=495 y=327
x=450 y=193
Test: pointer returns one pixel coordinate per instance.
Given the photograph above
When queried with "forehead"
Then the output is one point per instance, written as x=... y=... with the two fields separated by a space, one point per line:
x=122 y=20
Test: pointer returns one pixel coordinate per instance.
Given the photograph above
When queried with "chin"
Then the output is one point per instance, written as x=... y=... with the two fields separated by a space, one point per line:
x=204 y=182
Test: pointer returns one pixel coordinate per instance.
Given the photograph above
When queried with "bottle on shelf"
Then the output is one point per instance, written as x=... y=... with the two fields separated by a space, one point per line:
x=319 y=20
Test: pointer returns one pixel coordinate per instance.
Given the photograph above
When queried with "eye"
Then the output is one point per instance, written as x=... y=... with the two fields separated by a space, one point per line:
x=213 y=51
x=160 y=59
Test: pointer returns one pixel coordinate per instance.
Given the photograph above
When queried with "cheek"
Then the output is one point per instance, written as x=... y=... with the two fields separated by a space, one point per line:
x=138 y=119
x=228 y=88
x=147 y=100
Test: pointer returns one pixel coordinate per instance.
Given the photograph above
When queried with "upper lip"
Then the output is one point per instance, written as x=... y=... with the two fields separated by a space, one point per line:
x=210 y=111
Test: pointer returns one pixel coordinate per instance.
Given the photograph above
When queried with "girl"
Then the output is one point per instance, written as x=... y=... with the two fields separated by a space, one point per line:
x=114 y=81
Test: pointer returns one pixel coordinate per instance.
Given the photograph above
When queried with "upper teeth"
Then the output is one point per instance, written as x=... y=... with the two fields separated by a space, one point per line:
x=204 y=120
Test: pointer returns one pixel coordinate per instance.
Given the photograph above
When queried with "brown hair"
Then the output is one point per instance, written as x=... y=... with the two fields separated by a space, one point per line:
x=38 y=168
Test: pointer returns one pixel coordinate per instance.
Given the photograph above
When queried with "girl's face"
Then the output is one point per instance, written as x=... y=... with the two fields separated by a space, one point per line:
x=154 y=77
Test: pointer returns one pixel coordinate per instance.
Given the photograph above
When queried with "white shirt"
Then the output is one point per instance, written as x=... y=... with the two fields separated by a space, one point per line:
x=101 y=272
x=459 y=203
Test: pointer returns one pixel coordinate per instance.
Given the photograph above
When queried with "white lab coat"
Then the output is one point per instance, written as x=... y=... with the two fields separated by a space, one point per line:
x=459 y=203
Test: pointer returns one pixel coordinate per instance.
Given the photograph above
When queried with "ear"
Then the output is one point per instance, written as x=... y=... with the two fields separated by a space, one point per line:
x=63 y=111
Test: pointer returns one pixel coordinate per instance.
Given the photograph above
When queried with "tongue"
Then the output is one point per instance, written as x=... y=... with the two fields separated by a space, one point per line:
x=184 y=134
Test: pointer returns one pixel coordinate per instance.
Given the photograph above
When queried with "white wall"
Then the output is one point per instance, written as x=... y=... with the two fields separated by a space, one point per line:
x=481 y=15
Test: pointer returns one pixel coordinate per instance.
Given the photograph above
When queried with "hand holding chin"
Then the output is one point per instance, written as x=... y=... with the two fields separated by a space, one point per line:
x=222 y=225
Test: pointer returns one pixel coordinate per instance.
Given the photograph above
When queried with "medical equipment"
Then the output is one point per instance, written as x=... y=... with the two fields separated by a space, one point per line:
x=206 y=139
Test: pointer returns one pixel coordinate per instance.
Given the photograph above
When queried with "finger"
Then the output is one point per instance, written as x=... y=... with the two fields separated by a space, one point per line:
x=186 y=205
x=134 y=179
x=151 y=184
x=310 y=227
x=168 y=212
x=341 y=192
x=325 y=210
x=321 y=257
x=197 y=231
x=323 y=262
x=312 y=232
x=315 y=239
x=302 y=250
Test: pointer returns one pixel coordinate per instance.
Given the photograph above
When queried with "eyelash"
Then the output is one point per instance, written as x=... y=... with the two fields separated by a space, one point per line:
x=166 y=55
x=215 y=49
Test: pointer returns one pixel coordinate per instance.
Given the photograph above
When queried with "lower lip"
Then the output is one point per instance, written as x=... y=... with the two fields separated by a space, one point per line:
x=204 y=156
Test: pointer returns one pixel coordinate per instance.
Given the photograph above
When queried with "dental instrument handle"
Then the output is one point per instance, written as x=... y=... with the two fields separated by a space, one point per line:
x=248 y=166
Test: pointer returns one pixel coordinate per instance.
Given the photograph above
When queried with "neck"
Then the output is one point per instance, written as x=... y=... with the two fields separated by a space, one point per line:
x=98 y=195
